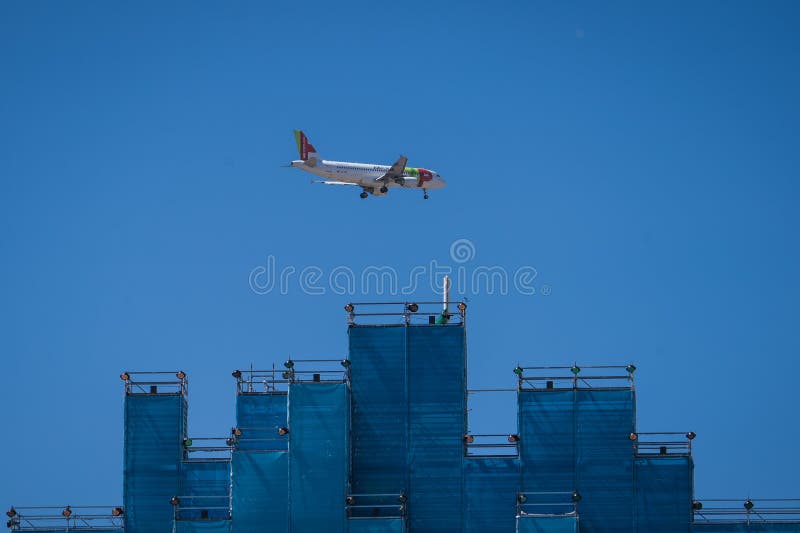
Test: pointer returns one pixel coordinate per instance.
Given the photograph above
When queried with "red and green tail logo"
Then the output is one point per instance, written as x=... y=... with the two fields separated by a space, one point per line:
x=303 y=146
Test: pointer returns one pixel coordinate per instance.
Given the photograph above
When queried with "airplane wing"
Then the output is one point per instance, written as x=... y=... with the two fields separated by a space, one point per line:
x=396 y=170
x=335 y=183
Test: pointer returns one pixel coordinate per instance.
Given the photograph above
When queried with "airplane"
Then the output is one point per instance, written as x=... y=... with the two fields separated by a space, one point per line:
x=373 y=179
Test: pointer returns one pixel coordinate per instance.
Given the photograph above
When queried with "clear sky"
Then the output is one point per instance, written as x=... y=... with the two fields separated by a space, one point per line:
x=642 y=157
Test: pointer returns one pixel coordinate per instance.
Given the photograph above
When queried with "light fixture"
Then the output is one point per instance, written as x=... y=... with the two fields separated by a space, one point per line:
x=469 y=439
x=67 y=512
x=633 y=436
x=575 y=369
x=187 y=442
x=413 y=307
x=345 y=363
x=175 y=500
x=349 y=308
x=697 y=505
x=402 y=499
x=518 y=370
x=288 y=363
x=237 y=374
x=748 y=504
x=631 y=369
x=117 y=511
x=180 y=374
x=283 y=430
x=124 y=376
x=230 y=441
x=462 y=306
x=521 y=498
x=691 y=435
x=236 y=431
x=576 y=496
x=11 y=513
x=513 y=438
x=349 y=500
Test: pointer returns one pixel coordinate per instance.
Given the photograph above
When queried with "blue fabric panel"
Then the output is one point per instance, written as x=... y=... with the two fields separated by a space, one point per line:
x=260 y=491
x=663 y=494
x=205 y=485
x=547 y=440
x=376 y=525
x=491 y=486
x=605 y=421
x=744 y=528
x=437 y=361
x=549 y=524
x=261 y=415
x=203 y=526
x=154 y=432
x=318 y=456
x=379 y=399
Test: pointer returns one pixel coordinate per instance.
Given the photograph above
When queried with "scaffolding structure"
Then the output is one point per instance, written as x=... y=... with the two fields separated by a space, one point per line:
x=378 y=441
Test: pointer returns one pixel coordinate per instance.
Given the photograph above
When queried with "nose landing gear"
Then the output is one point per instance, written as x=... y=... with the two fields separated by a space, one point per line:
x=425 y=192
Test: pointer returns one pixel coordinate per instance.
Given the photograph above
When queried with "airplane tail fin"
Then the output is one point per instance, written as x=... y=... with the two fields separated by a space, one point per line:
x=304 y=147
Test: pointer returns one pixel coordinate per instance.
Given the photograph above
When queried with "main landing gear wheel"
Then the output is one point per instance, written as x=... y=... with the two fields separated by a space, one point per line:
x=384 y=190
x=363 y=195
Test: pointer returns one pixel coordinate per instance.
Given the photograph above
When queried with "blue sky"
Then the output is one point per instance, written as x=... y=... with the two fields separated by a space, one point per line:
x=641 y=157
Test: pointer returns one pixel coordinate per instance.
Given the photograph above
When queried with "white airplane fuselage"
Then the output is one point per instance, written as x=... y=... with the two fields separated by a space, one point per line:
x=365 y=175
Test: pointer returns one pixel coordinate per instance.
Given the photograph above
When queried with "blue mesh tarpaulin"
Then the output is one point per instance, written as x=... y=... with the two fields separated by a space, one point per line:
x=200 y=526
x=437 y=424
x=491 y=485
x=260 y=491
x=745 y=528
x=547 y=440
x=376 y=525
x=380 y=409
x=259 y=416
x=605 y=421
x=663 y=494
x=548 y=524
x=205 y=489
x=318 y=456
x=154 y=432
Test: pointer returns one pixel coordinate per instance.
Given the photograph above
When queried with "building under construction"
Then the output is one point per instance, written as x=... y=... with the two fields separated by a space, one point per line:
x=379 y=442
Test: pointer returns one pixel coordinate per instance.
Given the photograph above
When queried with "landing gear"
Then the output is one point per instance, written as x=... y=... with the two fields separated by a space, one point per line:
x=384 y=190
x=425 y=191
x=363 y=195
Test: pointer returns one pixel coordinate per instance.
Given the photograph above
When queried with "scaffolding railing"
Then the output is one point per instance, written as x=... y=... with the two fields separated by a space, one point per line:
x=68 y=517
x=648 y=444
x=208 y=448
x=276 y=380
x=491 y=445
x=376 y=506
x=156 y=383
x=543 y=378
x=748 y=511
x=427 y=312
x=270 y=439
x=547 y=504
x=206 y=507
